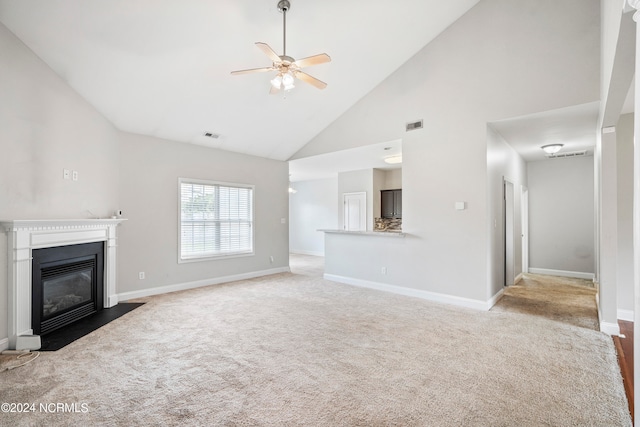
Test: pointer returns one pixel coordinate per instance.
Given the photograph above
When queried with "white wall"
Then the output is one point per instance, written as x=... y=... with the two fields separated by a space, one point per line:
x=45 y=127
x=503 y=163
x=624 y=135
x=379 y=177
x=148 y=241
x=392 y=179
x=561 y=215
x=314 y=206
x=502 y=59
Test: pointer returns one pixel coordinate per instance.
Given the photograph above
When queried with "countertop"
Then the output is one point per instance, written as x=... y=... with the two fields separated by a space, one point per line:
x=390 y=233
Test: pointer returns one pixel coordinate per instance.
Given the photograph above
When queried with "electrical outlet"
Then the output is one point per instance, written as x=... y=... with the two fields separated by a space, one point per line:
x=66 y=174
x=74 y=175
x=141 y=275
x=383 y=270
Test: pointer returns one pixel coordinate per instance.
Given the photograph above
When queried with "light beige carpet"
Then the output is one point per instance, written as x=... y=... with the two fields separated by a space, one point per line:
x=563 y=299
x=294 y=349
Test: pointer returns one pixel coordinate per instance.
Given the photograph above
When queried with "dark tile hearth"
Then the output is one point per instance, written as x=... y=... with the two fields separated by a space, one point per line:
x=68 y=334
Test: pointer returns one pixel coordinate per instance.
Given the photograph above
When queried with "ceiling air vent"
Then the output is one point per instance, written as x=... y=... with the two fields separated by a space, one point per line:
x=414 y=125
x=568 y=154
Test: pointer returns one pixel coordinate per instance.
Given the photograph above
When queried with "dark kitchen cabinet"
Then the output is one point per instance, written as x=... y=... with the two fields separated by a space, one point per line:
x=391 y=201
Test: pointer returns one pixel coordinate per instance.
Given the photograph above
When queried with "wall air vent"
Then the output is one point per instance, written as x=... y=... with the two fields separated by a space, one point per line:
x=414 y=125
x=568 y=154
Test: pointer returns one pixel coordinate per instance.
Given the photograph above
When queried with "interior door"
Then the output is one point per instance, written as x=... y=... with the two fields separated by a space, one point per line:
x=509 y=237
x=355 y=211
x=525 y=230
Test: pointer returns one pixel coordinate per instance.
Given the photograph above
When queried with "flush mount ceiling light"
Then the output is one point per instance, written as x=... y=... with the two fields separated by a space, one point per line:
x=552 y=148
x=393 y=160
x=288 y=68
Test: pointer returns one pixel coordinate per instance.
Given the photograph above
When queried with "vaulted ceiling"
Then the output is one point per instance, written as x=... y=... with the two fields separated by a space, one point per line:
x=162 y=67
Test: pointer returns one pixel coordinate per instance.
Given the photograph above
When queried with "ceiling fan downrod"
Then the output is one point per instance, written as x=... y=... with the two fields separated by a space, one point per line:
x=284 y=6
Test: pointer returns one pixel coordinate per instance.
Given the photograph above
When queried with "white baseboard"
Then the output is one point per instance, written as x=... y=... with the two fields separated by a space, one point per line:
x=494 y=299
x=610 y=328
x=562 y=273
x=314 y=253
x=417 y=293
x=4 y=344
x=199 y=283
x=518 y=278
x=627 y=315
x=606 y=327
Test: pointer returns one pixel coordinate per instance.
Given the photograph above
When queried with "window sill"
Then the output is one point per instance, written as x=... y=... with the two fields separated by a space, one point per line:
x=214 y=257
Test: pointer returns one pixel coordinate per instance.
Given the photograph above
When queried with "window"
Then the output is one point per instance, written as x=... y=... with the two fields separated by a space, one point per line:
x=216 y=219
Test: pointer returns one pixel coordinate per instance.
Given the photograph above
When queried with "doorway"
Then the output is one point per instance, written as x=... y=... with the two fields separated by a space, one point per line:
x=355 y=211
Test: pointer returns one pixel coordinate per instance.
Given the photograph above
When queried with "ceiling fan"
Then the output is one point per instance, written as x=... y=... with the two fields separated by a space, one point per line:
x=288 y=68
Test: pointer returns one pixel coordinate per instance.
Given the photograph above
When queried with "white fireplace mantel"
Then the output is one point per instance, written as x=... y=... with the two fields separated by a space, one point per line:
x=25 y=235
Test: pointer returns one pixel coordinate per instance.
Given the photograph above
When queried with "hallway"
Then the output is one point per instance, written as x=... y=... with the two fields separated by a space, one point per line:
x=563 y=299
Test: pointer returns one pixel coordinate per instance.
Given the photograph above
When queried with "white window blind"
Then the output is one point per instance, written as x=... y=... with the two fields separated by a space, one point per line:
x=216 y=219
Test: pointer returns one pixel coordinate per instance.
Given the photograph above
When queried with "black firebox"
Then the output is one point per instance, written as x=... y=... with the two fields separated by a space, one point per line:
x=67 y=285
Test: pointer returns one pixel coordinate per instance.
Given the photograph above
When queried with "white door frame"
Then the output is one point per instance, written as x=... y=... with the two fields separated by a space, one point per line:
x=524 y=213
x=509 y=231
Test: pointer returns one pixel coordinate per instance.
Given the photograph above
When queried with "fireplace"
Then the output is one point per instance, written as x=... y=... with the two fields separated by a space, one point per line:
x=24 y=237
x=67 y=285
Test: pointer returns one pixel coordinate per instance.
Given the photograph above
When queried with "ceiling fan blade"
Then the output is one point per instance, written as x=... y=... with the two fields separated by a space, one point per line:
x=310 y=79
x=313 y=60
x=252 y=70
x=269 y=52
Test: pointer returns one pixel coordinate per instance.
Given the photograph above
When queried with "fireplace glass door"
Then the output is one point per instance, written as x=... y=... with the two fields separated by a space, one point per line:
x=64 y=292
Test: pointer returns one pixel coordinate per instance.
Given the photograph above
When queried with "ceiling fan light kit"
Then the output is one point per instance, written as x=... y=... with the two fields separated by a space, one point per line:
x=283 y=80
x=288 y=69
